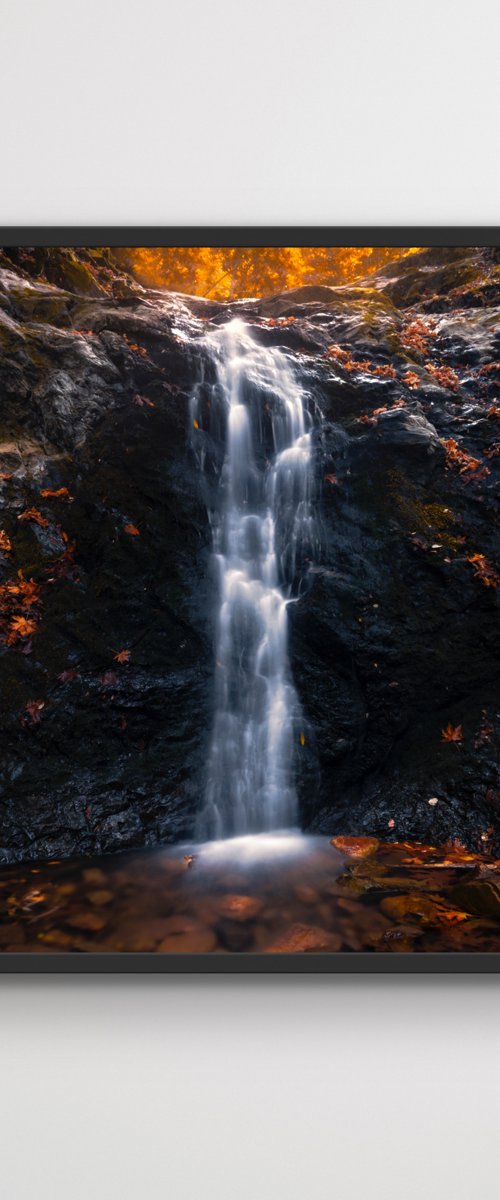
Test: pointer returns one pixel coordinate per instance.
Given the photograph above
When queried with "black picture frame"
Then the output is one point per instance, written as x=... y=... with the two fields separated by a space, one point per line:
x=340 y=962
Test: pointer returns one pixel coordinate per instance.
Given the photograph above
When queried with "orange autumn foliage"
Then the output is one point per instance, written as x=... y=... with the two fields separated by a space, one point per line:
x=411 y=379
x=235 y=272
x=384 y=371
x=17 y=598
x=346 y=360
x=492 y=368
x=444 y=376
x=417 y=334
x=28 y=591
x=459 y=458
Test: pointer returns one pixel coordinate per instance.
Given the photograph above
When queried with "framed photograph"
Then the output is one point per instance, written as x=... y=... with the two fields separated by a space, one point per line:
x=249 y=586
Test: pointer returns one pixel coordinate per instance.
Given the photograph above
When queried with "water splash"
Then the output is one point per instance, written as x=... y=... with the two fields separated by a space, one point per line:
x=264 y=538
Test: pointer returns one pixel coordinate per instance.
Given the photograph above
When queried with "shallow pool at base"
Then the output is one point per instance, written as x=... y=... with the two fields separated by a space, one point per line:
x=270 y=893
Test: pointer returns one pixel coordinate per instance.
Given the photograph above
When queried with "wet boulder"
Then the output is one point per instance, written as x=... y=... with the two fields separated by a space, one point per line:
x=408 y=430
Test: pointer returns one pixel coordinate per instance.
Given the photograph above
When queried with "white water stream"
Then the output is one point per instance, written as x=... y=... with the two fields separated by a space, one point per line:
x=263 y=538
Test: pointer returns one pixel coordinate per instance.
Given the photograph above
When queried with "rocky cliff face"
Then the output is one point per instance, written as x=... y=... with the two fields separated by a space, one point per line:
x=94 y=400
x=396 y=636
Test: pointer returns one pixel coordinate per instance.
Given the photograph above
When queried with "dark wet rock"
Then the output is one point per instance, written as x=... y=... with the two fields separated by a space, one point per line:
x=121 y=829
x=105 y=414
x=392 y=637
x=434 y=273
x=410 y=430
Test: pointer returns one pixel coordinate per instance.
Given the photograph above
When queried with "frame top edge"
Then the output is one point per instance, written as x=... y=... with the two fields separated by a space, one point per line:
x=250 y=235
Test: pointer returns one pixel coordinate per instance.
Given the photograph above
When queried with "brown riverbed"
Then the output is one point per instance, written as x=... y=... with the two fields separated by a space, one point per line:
x=274 y=894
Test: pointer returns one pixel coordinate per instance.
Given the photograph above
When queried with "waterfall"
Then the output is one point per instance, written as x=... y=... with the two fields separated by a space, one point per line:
x=263 y=532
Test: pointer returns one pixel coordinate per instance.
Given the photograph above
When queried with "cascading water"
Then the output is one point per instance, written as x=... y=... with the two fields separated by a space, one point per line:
x=264 y=539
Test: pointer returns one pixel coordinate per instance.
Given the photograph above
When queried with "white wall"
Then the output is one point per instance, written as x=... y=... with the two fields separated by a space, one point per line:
x=368 y=111
x=371 y=111
x=257 y=1089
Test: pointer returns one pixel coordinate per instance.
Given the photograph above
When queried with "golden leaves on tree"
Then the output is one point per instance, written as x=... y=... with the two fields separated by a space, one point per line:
x=237 y=272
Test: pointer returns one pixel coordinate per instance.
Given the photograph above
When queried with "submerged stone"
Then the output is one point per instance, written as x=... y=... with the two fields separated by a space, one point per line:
x=356 y=847
x=238 y=908
x=301 y=939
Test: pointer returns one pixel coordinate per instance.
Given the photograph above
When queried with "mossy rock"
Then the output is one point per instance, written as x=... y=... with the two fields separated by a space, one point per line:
x=68 y=271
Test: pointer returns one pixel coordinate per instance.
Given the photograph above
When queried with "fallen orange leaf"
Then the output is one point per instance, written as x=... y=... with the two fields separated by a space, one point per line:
x=122 y=656
x=20 y=627
x=452 y=733
x=32 y=514
x=60 y=494
x=484 y=571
